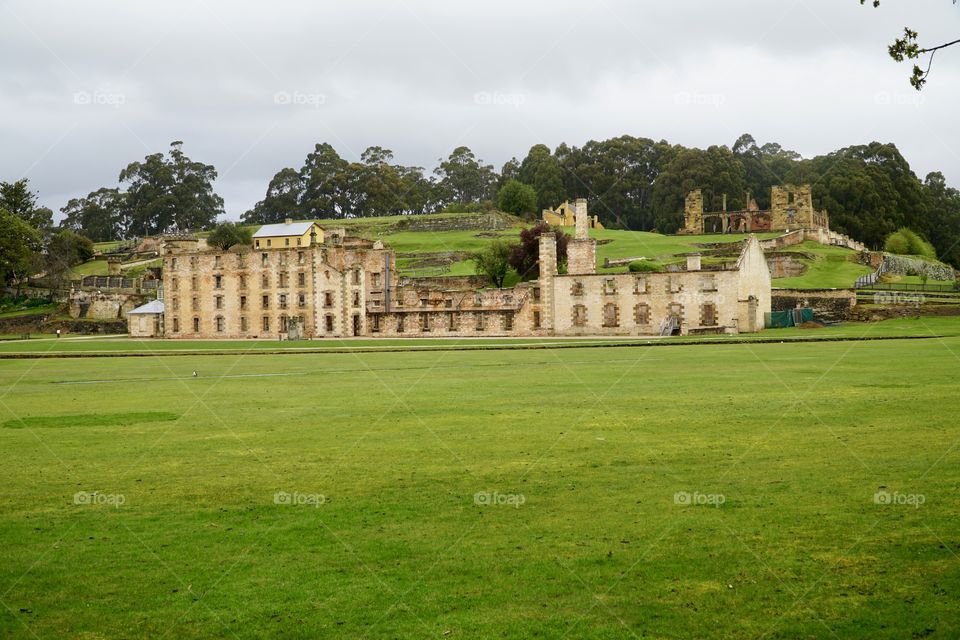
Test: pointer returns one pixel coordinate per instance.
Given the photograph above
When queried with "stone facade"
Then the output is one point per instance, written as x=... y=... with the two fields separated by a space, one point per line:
x=349 y=287
x=249 y=293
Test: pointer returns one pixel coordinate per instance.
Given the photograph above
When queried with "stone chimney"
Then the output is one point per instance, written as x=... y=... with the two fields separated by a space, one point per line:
x=113 y=266
x=581 y=219
x=548 y=271
x=548 y=255
x=693 y=262
x=288 y=221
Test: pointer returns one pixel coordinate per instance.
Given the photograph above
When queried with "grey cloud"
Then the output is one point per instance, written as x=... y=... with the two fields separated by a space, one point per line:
x=86 y=88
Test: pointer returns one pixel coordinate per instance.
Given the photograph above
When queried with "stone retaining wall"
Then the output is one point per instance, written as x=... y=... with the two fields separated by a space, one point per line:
x=832 y=305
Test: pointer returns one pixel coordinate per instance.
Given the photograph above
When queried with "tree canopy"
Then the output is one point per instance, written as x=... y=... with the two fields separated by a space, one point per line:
x=868 y=190
x=517 y=198
x=227 y=234
x=493 y=262
x=20 y=246
x=170 y=193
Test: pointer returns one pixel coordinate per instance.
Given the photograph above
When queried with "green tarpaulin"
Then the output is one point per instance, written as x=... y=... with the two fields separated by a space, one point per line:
x=790 y=318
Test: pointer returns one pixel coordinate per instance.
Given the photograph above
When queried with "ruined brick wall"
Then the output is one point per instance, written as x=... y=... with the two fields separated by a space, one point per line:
x=786 y=265
x=95 y=305
x=832 y=305
x=581 y=256
x=461 y=222
x=693 y=213
x=479 y=313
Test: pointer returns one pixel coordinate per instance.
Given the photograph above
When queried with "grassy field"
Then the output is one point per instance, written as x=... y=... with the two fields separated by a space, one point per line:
x=925 y=327
x=730 y=490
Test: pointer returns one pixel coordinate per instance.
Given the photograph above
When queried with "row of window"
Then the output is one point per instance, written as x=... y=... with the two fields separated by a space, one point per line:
x=641 y=314
x=220 y=324
x=641 y=285
x=219 y=302
x=450 y=322
x=282 y=280
x=241 y=261
x=269 y=243
x=282 y=301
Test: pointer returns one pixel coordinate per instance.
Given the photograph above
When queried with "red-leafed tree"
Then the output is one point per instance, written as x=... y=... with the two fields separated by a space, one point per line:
x=524 y=256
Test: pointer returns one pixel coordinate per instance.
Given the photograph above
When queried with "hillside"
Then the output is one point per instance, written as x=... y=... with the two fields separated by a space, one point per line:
x=441 y=244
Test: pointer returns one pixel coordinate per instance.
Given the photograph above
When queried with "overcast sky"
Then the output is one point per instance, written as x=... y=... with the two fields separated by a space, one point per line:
x=87 y=87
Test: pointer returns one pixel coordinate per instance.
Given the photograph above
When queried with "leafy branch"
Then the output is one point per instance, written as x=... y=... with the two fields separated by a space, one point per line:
x=907 y=48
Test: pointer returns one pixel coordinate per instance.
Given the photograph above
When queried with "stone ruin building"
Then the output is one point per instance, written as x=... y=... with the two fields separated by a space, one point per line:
x=308 y=282
x=791 y=208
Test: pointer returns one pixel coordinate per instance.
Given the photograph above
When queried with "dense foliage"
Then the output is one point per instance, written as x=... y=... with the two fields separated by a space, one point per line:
x=633 y=183
x=493 y=262
x=161 y=194
x=525 y=254
x=227 y=234
x=517 y=198
x=906 y=242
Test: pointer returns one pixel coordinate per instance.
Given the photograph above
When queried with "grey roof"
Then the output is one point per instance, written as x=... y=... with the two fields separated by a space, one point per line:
x=154 y=306
x=283 y=229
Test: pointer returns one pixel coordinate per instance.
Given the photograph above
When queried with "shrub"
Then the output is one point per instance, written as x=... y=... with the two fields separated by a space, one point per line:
x=907 y=242
x=645 y=266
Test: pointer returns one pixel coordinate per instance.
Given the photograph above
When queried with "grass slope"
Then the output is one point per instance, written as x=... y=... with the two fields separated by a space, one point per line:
x=138 y=526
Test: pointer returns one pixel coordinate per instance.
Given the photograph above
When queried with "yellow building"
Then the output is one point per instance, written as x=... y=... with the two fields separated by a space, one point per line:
x=287 y=234
x=565 y=215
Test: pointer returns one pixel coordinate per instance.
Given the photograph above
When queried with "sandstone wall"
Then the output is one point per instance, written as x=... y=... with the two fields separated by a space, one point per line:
x=833 y=305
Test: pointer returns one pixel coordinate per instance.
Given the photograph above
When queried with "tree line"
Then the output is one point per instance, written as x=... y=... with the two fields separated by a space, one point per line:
x=631 y=183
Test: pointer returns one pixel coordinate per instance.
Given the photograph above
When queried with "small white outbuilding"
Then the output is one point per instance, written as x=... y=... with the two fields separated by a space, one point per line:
x=146 y=321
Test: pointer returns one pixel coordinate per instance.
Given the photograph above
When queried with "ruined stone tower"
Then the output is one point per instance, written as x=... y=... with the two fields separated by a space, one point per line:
x=791 y=207
x=693 y=212
x=581 y=251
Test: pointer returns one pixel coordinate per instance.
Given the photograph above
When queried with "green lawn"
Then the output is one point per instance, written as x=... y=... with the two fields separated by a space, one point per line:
x=347 y=495
x=90 y=268
x=831 y=267
x=117 y=345
x=31 y=311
